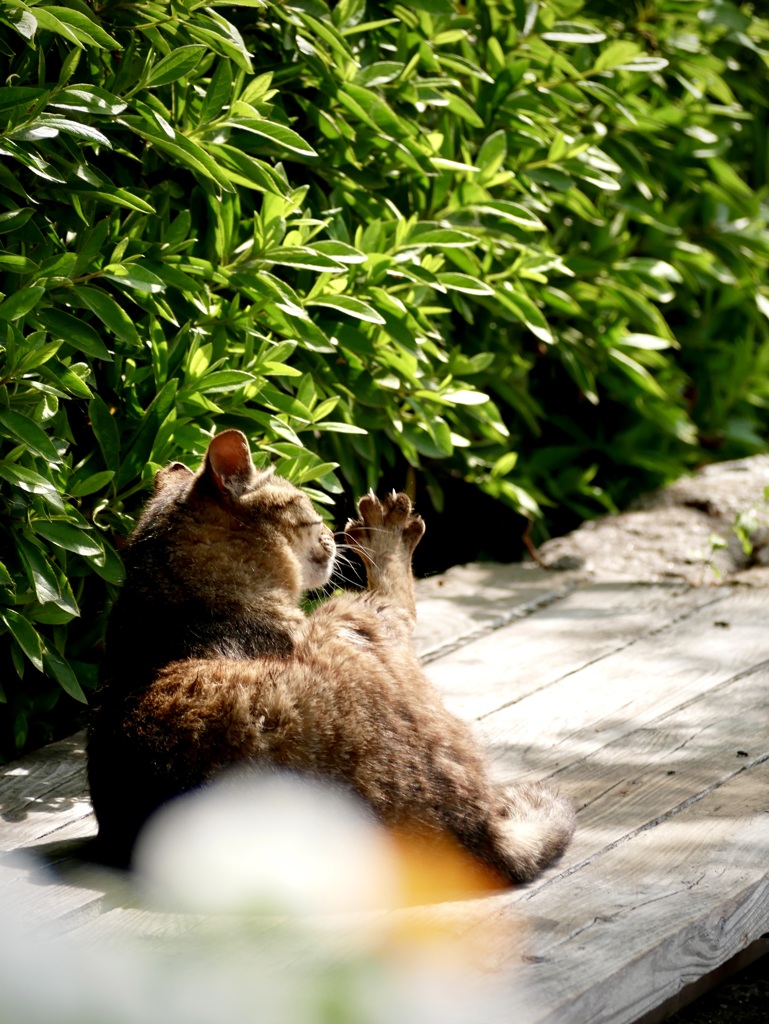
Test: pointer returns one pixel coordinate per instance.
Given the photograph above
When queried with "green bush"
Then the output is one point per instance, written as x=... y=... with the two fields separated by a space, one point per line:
x=519 y=244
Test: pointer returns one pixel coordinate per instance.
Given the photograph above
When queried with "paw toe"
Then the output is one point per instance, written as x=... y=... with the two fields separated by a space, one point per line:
x=397 y=507
x=414 y=529
x=370 y=509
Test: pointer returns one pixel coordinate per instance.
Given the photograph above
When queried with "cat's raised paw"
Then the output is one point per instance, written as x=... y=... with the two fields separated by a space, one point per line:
x=382 y=520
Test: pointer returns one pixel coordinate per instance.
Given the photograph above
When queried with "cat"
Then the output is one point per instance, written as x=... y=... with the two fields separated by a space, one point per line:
x=210 y=662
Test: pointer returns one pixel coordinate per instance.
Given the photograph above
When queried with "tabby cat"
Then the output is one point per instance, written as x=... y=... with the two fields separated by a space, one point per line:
x=210 y=661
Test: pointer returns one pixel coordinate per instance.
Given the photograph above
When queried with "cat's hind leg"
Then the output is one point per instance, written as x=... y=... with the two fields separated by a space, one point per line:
x=385 y=536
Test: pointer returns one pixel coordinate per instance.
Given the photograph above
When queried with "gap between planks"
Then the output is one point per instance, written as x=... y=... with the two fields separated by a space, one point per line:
x=563 y=636
x=629 y=929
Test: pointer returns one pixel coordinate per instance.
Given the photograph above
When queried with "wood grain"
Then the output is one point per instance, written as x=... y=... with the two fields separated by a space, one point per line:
x=470 y=601
x=43 y=792
x=614 y=696
x=564 y=637
x=626 y=931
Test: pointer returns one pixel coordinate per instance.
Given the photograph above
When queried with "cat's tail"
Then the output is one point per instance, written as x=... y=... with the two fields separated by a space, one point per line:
x=535 y=827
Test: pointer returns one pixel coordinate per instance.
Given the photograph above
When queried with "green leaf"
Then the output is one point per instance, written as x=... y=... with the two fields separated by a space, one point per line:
x=660 y=270
x=20 y=302
x=505 y=464
x=70 y=378
x=60 y=265
x=464 y=396
x=224 y=380
x=181 y=149
x=75 y=333
x=437 y=7
x=16 y=264
x=463 y=109
x=29 y=480
x=40 y=571
x=57 y=123
x=90 y=99
x=646 y=341
x=30 y=434
x=61 y=670
x=13 y=97
x=91 y=484
x=133 y=276
x=116 y=197
x=51 y=586
x=340 y=251
x=465 y=283
x=84 y=29
x=644 y=64
x=109 y=566
x=763 y=303
x=25 y=635
x=140 y=448
x=66 y=536
x=372 y=110
x=638 y=373
x=424 y=236
x=509 y=211
x=303 y=257
x=338 y=427
x=380 y=72
x=218 y=93
x=221 y=37
x=526 y=311
x=277 y=134
x=573 y=32
x=12 y=220
x=113 y=316
x=347 y=304
x=616 y=54
x=247 y=170
x=175 y=66
x=5 y=577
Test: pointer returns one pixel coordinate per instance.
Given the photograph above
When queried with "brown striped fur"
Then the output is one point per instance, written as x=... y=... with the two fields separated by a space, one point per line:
x=211 y=662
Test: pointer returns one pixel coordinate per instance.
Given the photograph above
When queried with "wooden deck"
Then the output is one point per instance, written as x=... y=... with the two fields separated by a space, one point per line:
x=647 y=705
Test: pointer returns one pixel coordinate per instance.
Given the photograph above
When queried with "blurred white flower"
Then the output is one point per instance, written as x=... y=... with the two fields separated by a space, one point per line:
x=269 y=843
x=278 y=887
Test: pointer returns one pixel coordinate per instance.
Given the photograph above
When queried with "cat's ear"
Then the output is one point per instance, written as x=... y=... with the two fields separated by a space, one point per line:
x=170 y=475
x=228 y=462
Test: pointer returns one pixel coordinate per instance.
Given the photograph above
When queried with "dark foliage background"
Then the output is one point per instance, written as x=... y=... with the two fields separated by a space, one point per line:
x=508 y=249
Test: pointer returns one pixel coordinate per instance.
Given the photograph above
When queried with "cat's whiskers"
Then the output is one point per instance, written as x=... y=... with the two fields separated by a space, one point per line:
x=363 y=549
x=343 y=561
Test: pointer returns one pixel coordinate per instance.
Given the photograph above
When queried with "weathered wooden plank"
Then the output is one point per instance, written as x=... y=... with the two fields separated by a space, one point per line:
x=626 y=690
x=63 y=894
x=117 y=924
x=629 y=786
x=676 y=759
x=623 y=933
x=469 y=601
x=616 y=937
x=42 y=792
x=45 y=821
x=612 y=687
x=565 y=636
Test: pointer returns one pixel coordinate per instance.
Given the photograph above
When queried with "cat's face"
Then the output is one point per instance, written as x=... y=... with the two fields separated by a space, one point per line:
x=309 y=538
x=237 y=521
